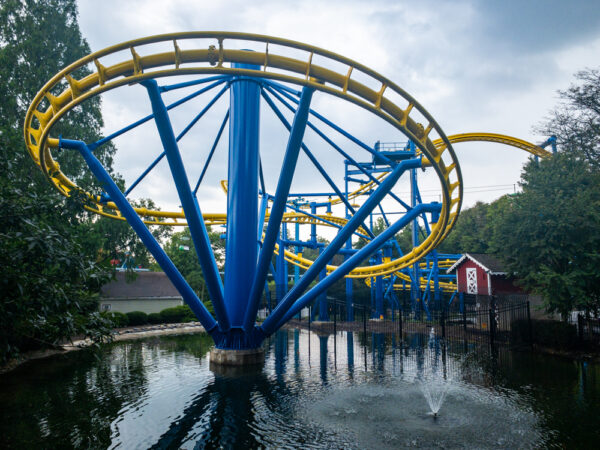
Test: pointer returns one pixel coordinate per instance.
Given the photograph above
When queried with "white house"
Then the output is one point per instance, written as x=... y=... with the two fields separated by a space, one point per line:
x=150 y=292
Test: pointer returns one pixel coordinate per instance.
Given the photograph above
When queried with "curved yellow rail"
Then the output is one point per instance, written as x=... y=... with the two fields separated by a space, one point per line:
x=139 y=63
x=444 y=286
x=387 y=268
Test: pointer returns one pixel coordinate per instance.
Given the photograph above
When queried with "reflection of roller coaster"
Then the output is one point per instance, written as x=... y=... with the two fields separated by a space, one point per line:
x=261 y=206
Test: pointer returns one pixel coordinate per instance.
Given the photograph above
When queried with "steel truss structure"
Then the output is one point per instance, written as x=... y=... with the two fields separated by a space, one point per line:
x=256 y=219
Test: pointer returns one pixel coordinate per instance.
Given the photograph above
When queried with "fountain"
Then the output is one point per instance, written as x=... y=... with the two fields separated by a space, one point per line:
x=434 y=390
x=434 y=385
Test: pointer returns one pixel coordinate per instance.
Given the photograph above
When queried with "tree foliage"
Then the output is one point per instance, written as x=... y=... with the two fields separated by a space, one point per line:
x=549 y=236
x=50 y=276
x=475 y=227
x=576 y=120
x=180 y=249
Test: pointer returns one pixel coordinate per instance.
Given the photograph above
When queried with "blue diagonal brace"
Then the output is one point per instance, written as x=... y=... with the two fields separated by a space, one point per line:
x=212 y=151
x=187 y=98
x=188 y=294
x=340 y=130
x=315 y=162
x=191 y=208
x=183 y=133
x=352 y=262
x=337 y=148
x=278 y=208
x=271 y=323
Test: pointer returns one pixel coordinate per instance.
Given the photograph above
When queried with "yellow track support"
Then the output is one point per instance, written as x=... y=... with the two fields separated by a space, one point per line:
x=139 y=63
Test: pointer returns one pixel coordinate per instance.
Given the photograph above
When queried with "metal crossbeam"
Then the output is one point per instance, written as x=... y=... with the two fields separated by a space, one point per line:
x=189 y=203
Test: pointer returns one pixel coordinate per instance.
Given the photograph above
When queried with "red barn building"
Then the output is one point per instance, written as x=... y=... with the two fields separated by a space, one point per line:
x=481 y=274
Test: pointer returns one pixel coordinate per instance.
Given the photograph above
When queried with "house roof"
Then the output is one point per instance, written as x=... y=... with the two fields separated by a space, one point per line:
x=145 y=285
x=489 y=263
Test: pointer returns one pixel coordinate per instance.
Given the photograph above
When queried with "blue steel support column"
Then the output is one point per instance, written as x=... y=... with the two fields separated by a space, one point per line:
x=242 y=195
x=283 y=188
x=379 y=311
x=359 y=256
x=349 y=303
x=115 y=194
x=189 y=203
x=272 y=322
x=415 y=282
x=280 y=274
x=298 y=250
x=284 y=262
x=437 y=295
x=323 y=311
x=349 y=300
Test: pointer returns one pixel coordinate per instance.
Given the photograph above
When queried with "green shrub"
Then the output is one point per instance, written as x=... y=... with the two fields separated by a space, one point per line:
x=137 y=318
x=548 y=333
x=118 y=319
x=155 y=318
x=554 y=334
x=177 y=314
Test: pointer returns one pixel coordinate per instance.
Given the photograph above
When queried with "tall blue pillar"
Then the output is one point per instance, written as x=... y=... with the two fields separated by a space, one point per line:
x=323 y=311
x=415 y=287
x=281 y=266
x=379 y=311
x=242 y=197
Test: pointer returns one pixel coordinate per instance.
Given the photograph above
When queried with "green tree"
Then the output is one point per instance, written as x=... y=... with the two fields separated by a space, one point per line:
x=112 y=239
x=180 y=249
x=549 y=234
x=576 y=120
x=378 y=228
x=475 y=227
x=49 y=277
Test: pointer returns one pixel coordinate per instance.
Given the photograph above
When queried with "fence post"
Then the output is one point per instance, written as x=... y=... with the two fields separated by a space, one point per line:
x=464 y=321
x=335 y=308
x=443 y=322
x=365 y=317
x=492 y=327
x=580 y=327
x=400 y=323
x=529 y=324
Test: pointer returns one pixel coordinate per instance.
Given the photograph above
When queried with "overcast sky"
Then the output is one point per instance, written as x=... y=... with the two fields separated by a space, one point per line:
x=490 y=66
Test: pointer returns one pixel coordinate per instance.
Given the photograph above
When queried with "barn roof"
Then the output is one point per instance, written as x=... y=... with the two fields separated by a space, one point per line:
x=489 y=263
x=145 y=285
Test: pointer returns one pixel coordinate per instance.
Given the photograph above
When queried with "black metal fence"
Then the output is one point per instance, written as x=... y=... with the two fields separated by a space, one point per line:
x=588 y=329
x=478 y=320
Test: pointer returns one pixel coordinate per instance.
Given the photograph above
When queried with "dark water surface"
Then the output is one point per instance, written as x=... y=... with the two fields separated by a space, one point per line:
x=351 y=391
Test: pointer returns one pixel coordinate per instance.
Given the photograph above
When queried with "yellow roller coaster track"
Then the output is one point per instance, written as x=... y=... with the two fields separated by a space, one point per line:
x=456 y=138
x=387 y=100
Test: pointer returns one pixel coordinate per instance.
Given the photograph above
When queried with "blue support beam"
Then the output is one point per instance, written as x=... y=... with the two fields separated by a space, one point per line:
x=189 y=204
x=279 y=203
x=212 y=152
x=270 y=324
x=312 y=158
x=337 y=148
x=242 y=195
x=188 y=294
x=185 y=99
x=347 y=266
x=323 y=119
x=182 y=134
x=379 y=311
x=323 y=305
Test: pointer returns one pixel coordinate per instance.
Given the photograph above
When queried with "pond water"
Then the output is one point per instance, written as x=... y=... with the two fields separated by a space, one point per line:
x=347 y=390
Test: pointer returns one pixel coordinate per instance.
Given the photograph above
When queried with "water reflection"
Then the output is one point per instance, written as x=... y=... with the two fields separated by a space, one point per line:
x=313 y=391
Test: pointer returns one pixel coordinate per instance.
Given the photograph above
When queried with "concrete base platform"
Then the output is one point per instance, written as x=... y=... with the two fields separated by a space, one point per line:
x=236 y=358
